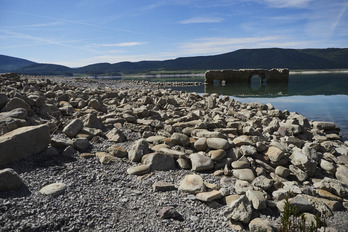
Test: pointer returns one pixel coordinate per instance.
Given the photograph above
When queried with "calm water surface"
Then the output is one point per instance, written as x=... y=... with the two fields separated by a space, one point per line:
x=321 y=97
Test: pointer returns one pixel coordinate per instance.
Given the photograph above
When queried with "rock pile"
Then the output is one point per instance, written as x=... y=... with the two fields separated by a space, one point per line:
x=260 y=154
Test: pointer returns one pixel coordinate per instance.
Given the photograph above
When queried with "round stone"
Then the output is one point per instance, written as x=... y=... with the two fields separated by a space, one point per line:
x=53 y=189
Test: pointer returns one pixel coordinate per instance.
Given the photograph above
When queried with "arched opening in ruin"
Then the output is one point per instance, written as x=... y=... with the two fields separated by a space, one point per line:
x=255 y=82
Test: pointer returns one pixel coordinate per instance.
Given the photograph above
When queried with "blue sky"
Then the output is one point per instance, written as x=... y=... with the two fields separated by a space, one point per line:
x=81 y=32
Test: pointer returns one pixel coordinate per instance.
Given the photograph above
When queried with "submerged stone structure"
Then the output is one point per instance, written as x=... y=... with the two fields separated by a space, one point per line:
x=245 y=75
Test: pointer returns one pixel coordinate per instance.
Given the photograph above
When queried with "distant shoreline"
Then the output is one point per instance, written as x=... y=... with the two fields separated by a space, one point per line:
x=318 y=71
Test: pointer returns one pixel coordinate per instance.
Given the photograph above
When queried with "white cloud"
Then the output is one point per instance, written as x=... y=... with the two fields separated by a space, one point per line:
x=339 y=17
x=287 y=3
x=201 y=20
x=126 y=44
x=220 y=45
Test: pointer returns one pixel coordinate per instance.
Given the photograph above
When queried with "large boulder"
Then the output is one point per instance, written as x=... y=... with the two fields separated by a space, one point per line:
x=15 y=103
x=12 y=120
x=9 y=180
x=23 y=142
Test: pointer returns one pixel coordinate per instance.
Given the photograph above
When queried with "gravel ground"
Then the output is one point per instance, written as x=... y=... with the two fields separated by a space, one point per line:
x=100 y=198
x=105 y=198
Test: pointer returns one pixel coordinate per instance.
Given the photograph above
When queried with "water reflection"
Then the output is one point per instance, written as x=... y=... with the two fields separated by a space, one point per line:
x=310 y=84
x=250 y=89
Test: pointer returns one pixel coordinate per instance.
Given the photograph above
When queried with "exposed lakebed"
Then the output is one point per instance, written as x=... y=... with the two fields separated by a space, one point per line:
x=318 y=96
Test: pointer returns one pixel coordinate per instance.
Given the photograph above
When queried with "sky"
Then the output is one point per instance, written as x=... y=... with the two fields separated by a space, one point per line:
x=76 y=33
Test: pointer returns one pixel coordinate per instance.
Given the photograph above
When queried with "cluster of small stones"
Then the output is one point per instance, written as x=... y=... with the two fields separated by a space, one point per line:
x=260 y=154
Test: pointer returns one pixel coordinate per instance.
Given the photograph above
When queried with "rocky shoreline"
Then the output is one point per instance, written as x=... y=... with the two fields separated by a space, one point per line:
x=94 y=155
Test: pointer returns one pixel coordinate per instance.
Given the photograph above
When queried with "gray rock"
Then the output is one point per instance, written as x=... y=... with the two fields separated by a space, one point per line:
x=309 y=151
x=244 y=174
x=138 y=150
x=19 y=113
x=209 y=134
x=129 y=118
x=301 y=204
x=3 y=100
x=116 y=135
x=201 y=162
x=239 y=210
x=239 y=164
x=81 y=143
x=192 y=184
x=23 y=142
x=161 y=186
x=8 y=123
x=263 y=182
x=105 y=158
x=156 y=138
x=53 y=189
x=282 y=171
x=217 y=154
x=333 y=186
x=138 y=170
x=208 y=196
x=280 y=194
x=15 y=103
x=60 y=142
x=201 y=144
x=242 y=187
x=92 y=121
x=69 y=151
x=243 y=140
x=299 y=173
x=180 y=139
x=168 y=213
x=9 y=180
x=174 y=153
x=218 y=143
x=304 y=162
x=275 y=154
x=184 y=163
x=73 y=128
x=260 y=225
x=248 y=150
x=118 y=151
x=158 y=161
x=257 y=199
x=342 y=174
x=324 y=125
x=95 y=104
x=327 y=166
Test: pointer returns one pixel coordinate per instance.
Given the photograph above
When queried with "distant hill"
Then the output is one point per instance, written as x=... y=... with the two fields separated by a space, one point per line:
x=8 y=63
x=330 y=58
x=45 y=69
x=333 y=58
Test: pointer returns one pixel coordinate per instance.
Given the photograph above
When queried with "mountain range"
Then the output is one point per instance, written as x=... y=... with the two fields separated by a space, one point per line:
x=330 y=58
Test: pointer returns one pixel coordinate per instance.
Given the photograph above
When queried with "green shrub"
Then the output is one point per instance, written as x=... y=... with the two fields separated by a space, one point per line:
x=291 y=221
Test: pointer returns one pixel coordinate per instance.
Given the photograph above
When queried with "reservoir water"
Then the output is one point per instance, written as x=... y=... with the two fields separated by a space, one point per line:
x=321 y=97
